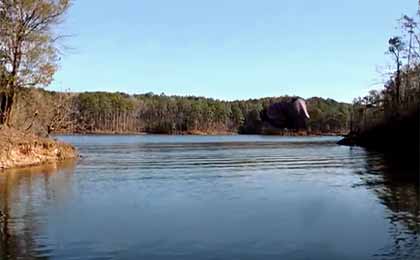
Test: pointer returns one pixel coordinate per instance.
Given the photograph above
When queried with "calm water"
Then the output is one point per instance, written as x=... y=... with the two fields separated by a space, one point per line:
x=234 y=197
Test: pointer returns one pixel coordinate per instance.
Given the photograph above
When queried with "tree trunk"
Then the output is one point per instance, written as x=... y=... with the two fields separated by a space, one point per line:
x=6 y=104
x=3 y=104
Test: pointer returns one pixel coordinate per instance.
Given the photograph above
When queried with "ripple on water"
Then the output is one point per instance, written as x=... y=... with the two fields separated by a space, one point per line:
x=246 y=197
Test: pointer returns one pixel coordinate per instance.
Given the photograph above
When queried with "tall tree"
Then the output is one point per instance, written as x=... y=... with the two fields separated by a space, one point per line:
x=28 y=46
x=408 y=26
x=396 y=47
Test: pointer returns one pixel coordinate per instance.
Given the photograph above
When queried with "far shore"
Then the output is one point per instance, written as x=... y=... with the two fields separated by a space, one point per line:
x=342 y=134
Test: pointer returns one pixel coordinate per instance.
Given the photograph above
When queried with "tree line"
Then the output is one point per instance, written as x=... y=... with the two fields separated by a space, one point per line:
x=400 y=96
x=388 y=119
x=103 y=112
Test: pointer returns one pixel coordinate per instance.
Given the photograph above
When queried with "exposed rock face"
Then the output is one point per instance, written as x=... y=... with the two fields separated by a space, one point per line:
x=18 y=149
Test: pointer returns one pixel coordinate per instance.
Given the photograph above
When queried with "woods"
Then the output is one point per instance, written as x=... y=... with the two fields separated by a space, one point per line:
x=388 y=119
x=400 y=96
x=103 y=112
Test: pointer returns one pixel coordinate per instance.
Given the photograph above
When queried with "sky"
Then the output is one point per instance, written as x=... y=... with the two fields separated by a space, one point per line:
x=228 y=49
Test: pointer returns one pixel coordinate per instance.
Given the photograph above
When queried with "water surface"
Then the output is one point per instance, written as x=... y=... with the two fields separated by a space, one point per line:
x=224 y=197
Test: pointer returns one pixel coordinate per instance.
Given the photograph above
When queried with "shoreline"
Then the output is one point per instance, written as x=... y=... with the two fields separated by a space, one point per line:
x=342 y=134
x=399 y=137
x=20 y=150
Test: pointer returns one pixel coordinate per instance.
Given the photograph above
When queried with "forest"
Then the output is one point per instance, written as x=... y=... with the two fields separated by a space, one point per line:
x=388 y=118
x=102 y=112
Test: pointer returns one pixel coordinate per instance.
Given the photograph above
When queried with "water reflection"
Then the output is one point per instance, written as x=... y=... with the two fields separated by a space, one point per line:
x=22 y=191
x=396 y=184
x=194 y=198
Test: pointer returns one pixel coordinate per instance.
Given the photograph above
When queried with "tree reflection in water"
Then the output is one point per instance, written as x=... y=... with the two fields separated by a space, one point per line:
x=26 y=194
x=20 y=190
x=396 y=184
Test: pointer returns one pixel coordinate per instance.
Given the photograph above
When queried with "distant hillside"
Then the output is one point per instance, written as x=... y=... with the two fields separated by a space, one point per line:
x=102 y=112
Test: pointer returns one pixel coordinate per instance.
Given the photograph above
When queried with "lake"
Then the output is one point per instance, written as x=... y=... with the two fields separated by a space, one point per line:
x=220 y=197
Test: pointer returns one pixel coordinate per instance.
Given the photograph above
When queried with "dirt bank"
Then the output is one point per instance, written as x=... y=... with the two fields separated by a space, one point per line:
x=18 y=149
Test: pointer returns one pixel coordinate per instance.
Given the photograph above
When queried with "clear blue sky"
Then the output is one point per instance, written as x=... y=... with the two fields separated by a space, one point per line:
x=228 y=49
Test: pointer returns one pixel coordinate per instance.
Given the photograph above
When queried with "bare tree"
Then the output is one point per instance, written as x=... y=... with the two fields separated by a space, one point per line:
x=62 y=114
x=396 y=47
x=409 y=26
x=28 y=46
